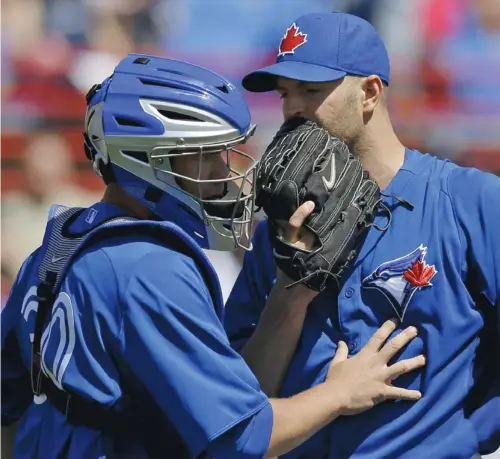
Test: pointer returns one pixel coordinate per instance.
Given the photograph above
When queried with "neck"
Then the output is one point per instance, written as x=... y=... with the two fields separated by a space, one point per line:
x=380 y=151
x=115 y=196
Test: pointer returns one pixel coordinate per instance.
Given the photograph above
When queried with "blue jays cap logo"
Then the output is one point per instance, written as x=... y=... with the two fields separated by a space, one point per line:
x=399 y=279
x=291 y=40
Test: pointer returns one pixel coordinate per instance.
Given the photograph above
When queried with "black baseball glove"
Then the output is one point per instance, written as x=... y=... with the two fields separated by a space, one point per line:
x=304 y=163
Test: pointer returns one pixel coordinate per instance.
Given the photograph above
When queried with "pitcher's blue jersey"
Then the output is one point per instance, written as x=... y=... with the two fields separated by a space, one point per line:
x=132 y=315
x=437 y=267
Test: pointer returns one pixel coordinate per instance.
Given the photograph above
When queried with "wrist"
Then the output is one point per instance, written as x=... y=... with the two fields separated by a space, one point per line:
x=339 y=403
x=298 y=291
x=334 y=399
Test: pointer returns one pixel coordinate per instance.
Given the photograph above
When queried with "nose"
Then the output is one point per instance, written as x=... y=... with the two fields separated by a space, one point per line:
x=293 y=105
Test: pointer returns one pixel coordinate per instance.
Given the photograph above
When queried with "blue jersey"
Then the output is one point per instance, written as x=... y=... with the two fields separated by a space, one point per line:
x=132 y=316
x=437 y=267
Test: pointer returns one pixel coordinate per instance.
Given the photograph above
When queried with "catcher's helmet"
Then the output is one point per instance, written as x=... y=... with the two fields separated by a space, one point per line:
x=153 y=109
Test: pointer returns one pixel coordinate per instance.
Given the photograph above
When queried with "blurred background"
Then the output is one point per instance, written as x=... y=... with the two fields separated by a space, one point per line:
x=445 y=91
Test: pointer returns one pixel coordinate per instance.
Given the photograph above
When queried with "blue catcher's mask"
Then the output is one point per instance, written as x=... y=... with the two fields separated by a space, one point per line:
x=152 y=110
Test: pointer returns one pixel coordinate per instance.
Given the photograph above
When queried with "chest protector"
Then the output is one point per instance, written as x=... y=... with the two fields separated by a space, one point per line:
x=59 y=250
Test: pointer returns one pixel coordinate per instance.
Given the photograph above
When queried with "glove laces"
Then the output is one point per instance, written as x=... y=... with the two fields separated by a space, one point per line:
x=380 y=203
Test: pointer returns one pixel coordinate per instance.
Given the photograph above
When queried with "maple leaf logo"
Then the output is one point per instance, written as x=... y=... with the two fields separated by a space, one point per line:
x=420 y=274
x=291 y=40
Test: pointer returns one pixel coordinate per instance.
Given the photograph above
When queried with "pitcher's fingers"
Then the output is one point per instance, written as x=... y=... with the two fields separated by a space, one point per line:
x=341 y=353
x=405 y=366
x=380 y=336
x=397 y=343
x=292 y=233
x=398 y=393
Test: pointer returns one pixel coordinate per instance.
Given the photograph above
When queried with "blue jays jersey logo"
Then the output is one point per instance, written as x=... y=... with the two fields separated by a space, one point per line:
x=399 y=279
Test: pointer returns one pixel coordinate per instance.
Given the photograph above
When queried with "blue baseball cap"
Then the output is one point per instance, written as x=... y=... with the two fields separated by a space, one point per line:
x=321 y=47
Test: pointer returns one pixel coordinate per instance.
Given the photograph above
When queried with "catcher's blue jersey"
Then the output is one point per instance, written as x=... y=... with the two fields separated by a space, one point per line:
x=133 y=314
x=437 y=267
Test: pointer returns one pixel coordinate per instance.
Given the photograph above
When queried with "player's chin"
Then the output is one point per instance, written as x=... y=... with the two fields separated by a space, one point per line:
x=214 y=195
x=216 y=191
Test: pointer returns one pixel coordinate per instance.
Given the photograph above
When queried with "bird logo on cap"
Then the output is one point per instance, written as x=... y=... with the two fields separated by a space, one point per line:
x=291 y=40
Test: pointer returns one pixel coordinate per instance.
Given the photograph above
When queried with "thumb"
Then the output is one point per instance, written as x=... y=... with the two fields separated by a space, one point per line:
x=296 y=221
x=341 y=353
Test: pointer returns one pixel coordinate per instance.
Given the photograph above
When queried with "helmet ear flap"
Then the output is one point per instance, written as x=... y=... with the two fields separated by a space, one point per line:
x=88 y=148
x=103 y=169
x=106 y=172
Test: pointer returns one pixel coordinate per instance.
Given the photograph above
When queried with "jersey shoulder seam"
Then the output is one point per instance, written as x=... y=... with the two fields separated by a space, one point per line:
x=461 y=236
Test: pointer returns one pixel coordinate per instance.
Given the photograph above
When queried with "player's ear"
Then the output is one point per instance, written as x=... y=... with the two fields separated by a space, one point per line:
x=373 y=88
